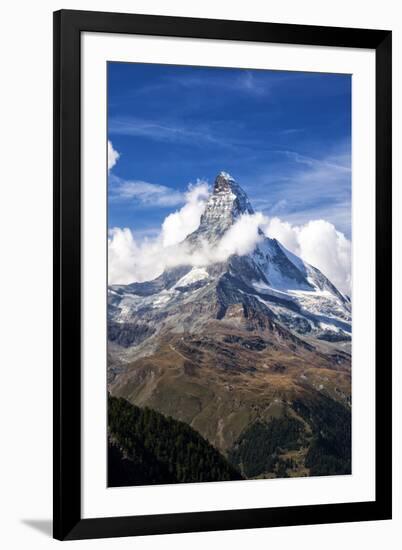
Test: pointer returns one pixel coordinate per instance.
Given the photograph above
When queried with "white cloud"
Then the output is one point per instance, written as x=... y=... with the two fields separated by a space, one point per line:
x=242 y=237
x=320 y=244
x=181 y=223
x=316 y=242
x=249 y=83
x=122 y=262
x=166 y=131
x=141 y=260
x=329 y=250
x=284 y=232
x=112 y=155
x=146 y=193
x=131 y=261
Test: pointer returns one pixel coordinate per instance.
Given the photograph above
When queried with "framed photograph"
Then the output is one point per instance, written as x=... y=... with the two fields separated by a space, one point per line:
x=222 y=274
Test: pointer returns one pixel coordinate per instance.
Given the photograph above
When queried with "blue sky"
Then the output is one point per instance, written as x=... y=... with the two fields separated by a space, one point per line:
x=284 y=136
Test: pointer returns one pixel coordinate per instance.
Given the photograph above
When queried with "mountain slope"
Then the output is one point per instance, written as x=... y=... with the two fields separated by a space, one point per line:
x=232 y=343
x=146 y=447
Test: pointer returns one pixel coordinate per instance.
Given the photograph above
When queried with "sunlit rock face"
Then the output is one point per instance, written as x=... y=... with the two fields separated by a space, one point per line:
x=225 y=205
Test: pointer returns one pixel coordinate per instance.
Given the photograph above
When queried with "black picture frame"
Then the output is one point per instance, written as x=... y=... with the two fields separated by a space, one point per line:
x=68 y=26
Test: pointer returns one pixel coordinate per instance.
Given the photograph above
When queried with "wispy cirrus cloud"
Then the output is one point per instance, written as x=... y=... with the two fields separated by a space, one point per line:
x=250 y=83
x=290 y=131
x=140 y=192
x=245 y=82
x=166 y=131
x=143 y=193
x=335 y=163
x=301 y=187
x=146 y=194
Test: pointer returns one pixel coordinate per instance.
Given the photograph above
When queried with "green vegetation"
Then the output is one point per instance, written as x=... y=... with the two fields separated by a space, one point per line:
x=325 y=438
x=330 y=449
x=257 y=449
x=140 y=468
x=146 y=447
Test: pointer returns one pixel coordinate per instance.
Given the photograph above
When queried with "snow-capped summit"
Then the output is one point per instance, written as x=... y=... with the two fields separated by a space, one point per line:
x=225 y=175
x=226 y=186
x=226 y=203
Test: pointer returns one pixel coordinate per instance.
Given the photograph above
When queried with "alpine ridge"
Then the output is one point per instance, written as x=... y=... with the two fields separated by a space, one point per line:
x=235 y=345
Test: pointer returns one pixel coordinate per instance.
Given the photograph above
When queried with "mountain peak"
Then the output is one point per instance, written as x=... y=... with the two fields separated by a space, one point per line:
x=226 y=203
x=224 y=183
x=225 y=175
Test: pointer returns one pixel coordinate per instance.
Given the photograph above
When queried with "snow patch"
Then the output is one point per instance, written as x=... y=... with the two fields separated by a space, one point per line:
x=196 y=274
x=162 y=299
x=332 y=328
x=226 y=175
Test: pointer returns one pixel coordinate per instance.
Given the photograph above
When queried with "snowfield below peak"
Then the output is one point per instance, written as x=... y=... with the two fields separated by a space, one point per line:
x=196 y=274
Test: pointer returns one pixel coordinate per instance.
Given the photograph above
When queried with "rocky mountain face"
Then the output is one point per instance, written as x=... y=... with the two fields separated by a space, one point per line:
x=226 y=204
x=238 y=344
